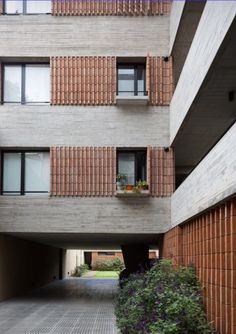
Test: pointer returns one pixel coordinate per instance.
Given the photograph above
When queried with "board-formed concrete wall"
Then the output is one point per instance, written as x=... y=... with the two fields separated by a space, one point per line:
x=84 y=215
x=45 y=35
x=213 y=180
x=212 y=29
x=45 y=126
x=176 y=13
x=25 y=265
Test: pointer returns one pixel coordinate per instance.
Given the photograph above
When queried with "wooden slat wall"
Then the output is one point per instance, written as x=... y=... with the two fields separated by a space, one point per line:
x=110 y=7
x=159 y=80
x=83 y=171
x=83 y=80
x=161 y=171
x=172 y=246
x=209 y=245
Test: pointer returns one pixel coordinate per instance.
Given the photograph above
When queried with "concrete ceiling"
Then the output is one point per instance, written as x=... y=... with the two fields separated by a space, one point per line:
x=90 y=241
x=212 y=113
x=188 y=25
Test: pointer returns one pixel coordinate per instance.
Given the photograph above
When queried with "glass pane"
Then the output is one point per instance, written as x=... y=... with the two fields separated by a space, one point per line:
x=13 y=6
x=12 y=83
x=12 y=172
x=126 y=165
x=37 y=175
x=126 y=81
x=37 y=84
x=140 y=76
x=38 y=6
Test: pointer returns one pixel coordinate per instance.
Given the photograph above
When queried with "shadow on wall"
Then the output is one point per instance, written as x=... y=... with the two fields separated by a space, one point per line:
x=25 y=265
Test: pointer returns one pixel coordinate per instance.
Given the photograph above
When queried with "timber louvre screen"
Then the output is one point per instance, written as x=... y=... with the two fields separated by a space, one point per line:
x=83 y=80
x=159 y=78
x=207 y=243
x=160 y=171
x=110 y=7
x=83 y=171
x=91 y=171
x=89 y=80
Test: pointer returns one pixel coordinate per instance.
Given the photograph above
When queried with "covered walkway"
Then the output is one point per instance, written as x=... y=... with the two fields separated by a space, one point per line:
x=71 y=306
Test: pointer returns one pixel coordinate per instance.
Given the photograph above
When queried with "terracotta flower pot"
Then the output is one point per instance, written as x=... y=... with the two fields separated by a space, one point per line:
x=129 y=187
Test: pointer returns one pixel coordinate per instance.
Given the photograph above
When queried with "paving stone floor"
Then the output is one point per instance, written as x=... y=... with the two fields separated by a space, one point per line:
x=71 y=306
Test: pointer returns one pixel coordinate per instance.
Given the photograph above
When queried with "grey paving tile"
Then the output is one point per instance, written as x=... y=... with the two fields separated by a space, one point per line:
x=72 y=306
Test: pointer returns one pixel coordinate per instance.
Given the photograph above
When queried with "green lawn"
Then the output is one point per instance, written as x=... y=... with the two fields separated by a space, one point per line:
x=106 y=274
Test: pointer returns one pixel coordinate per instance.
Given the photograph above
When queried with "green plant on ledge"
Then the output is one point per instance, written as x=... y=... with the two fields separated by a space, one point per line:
x=121 y=178
x=121 y=181
x=140 y=185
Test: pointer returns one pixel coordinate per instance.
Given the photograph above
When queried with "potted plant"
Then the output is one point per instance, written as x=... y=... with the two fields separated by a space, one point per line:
x=129 y=187
x=142 y=185
x=120 y=181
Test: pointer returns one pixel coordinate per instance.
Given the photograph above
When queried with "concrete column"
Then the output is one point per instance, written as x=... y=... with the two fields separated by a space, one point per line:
x=135 y=256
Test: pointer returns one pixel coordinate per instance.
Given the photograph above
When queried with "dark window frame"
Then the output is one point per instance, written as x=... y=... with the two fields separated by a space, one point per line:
x=22 y=191
x=106 y=253
x=135 y=66
x=23 y=83
x=24 y=9
x=136 y=152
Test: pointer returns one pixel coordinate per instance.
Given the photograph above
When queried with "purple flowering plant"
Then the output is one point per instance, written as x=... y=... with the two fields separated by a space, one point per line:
x=163 y=300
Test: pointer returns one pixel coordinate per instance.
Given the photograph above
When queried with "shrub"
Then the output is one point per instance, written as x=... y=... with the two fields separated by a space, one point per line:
x=80 y=270
x=161 y=301
x=109 y=265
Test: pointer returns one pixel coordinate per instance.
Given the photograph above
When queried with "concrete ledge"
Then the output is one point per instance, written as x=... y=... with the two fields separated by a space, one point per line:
x=212 y=181
x=131 y=193
x=132 y=100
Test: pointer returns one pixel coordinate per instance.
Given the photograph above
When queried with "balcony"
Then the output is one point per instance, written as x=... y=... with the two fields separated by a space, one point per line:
x=131 y=193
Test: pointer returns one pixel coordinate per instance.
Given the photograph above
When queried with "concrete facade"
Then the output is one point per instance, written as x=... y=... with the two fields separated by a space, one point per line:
x=46 y=126
x=45 y=35
x=212 y=181
x=205 y=45
x=198 y=125
x=84 y=215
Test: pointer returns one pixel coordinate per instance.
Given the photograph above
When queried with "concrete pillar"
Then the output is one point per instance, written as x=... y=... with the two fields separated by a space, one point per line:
x=135 y=257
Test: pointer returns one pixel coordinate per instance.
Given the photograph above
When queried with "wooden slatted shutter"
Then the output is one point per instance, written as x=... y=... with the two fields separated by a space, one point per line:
x=110 y=7
x=160 y=80
x=83 y=80
x=83 y=171
x=160 y=171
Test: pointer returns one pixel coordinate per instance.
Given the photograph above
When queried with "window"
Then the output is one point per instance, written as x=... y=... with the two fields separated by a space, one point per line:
x=27 y=6
x=133 y=165
x=106 y=253
x=131 y=80
x=25 y=173
x=26 y=84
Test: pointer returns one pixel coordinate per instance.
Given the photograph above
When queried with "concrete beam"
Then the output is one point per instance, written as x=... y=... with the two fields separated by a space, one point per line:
x=46 y=35
x=34 y=214
x=212 y=29
x=44 y=126
x=212 y=181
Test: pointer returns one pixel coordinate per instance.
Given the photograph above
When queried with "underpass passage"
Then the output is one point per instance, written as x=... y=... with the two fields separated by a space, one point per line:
x=70 y=306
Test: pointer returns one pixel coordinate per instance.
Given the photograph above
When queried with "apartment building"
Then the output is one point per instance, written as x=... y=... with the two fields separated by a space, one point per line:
x=93 y=89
